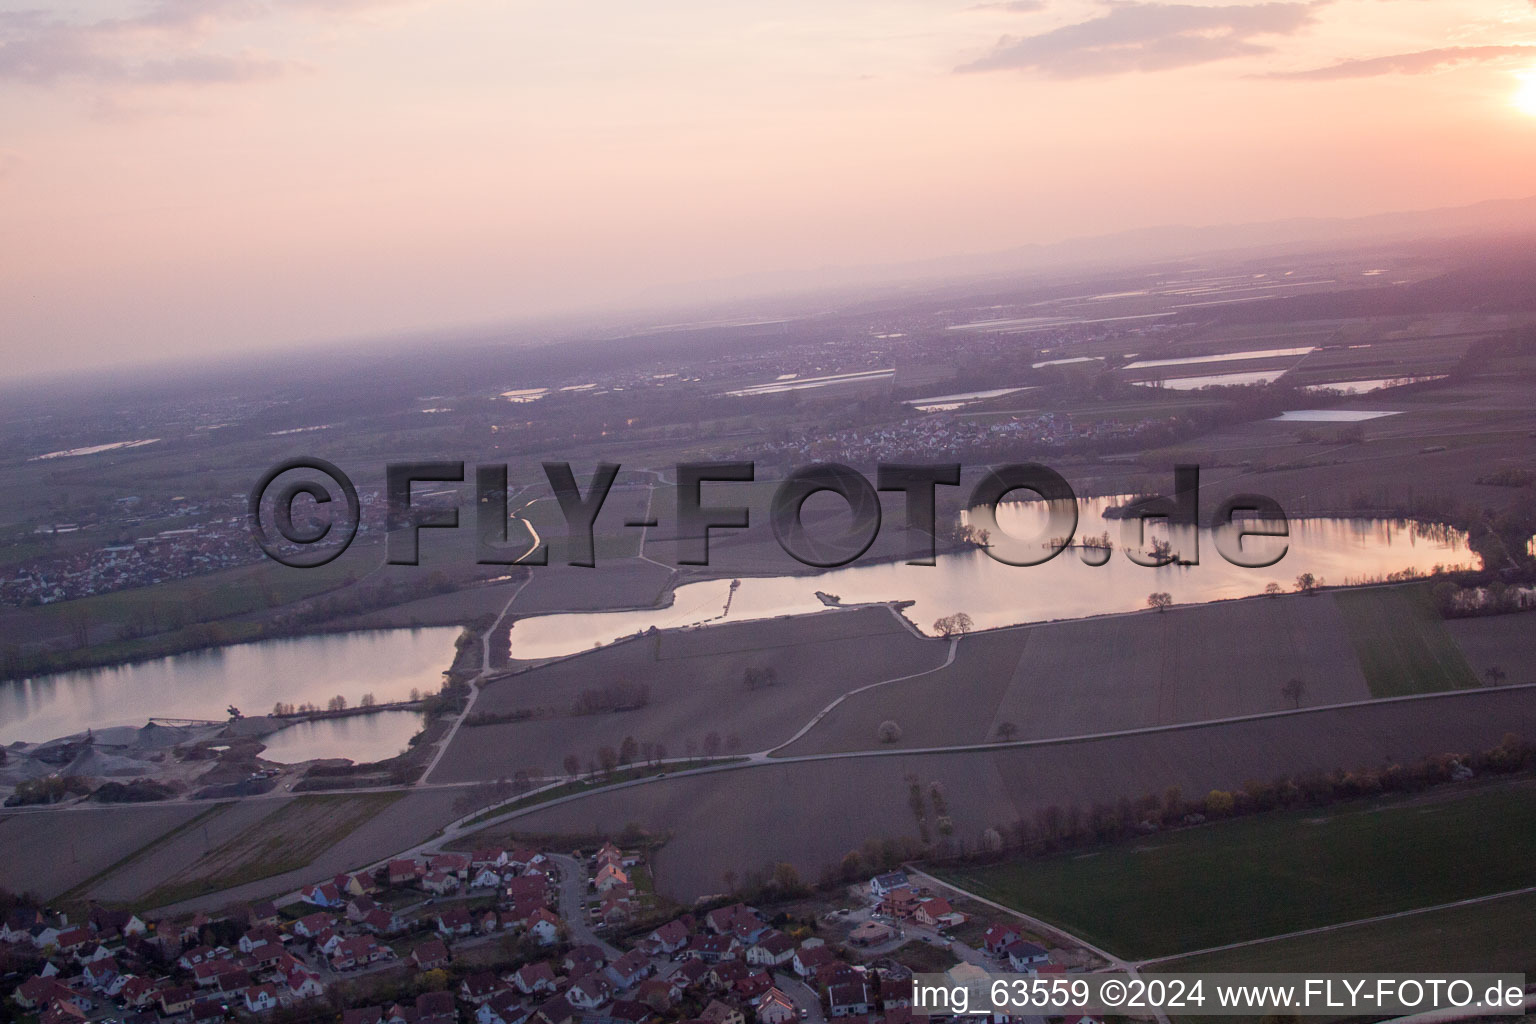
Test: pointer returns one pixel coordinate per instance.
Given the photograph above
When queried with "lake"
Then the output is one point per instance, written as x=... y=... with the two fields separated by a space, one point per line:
x=993 y=594
x=363 y=738
x=387 y=663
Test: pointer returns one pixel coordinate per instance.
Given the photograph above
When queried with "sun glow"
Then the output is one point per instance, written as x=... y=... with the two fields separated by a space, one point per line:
x=1525 y=96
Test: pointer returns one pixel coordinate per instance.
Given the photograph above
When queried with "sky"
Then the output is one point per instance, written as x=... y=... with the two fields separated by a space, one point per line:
x=185 y=178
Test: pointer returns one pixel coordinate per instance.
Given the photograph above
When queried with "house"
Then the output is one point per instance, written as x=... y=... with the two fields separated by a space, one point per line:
x=263 y=912
x=880 y=885
x=544 y=927
x=176 y=1001
x=937 y=913
x=480 y=987
x=491 y=857
x=137 y=992
x=999 y=937
x=534 y=978
x=233 y=983
x=197 y=954
x=667 y=939
x=590 y=992
x=323 y=895
x=38 y=991
x=72 y=939
x=430 y=955
x=357 y=951
x=773 y=949
x=359 y=908
x=353 y=883
x=404 y=871
x=455 y=922
x=848 y=999
x=894 y=993
x=303 y=984
x=837 y=972
x=713 y=948
x=311 y=925
x=721 y=1013
x=208 y=1011
x=502 y=1008
x=452 y=864
x=1025 y=957
x=808 y=959
x=774 y=1007
x=101 y=973
x=436 y=1008
x=610 y=876
x=630 y=969
x=383 y=922
x=527 y=887
x=439 y=882
x=554 y=1011
x=363 y=1015
x=583 y=960
x=260 y=998
x=485 y=877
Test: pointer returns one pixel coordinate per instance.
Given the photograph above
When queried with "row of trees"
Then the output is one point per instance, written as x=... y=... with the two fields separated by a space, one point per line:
x=337 y=703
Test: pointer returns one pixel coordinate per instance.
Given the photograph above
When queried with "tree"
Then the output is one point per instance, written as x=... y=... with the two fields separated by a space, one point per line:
x=712 y=744
x=889 y=731
x=1307 y=583
x=1292 y=691
x=786 y=878
x=628 y=749
x=415 y=695
x=951 y=626
x=1274 y=589
x=572 y=765
x=1006 y=731
x=233 y=713
x=609 y=758
x=1495 y=675
x=336 y=703
x=1159 y=599
x=1219 y=802
x=367 y=701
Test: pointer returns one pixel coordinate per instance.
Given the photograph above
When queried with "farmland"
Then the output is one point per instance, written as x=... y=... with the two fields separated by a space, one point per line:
x=696 y=687
x=1277 y=873
x=1496 y=935
x=1403 y=645
x=1112 y=673
x=725 y=821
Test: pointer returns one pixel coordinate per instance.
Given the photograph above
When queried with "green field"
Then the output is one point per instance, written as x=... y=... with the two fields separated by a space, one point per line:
x=1499 y=935
x=1278 y=873
x=1402 y=642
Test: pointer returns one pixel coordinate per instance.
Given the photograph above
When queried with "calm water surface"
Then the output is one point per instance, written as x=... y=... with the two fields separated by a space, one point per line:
x=994 y=594
x=253 y=677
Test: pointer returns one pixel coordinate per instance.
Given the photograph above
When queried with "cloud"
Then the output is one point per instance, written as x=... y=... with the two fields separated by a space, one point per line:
x=1147 y=37
x=1022 y=6
x=167 y=43
x=1421 y=62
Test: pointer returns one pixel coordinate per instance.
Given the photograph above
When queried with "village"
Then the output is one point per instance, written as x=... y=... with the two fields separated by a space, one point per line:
x=505 y=936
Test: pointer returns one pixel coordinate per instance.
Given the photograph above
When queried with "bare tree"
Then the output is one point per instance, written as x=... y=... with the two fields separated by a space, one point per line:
x=950 y=626
x=1495 y=675
x=1274 y=589
x=889 y=731
x=712 y=744
x=1006 y=731
x=1292 y=691
x=1307 y=583
x=1160 y=599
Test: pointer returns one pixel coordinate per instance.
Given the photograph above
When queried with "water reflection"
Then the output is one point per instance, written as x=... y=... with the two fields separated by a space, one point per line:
x=363 y=738
x=1336 y=550
x=253 y=677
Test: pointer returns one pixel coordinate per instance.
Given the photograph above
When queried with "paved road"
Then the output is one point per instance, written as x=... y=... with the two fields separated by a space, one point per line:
x=573 y=904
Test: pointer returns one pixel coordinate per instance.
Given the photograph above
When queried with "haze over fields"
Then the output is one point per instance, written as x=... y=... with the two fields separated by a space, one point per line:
x=235 y=176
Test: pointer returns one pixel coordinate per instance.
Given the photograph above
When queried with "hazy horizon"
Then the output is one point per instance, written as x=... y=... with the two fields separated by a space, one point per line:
x=197 y=180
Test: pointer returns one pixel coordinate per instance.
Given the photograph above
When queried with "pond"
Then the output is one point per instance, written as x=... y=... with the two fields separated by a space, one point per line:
x=363 y=738
x=253 y=677
x=994 y=594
